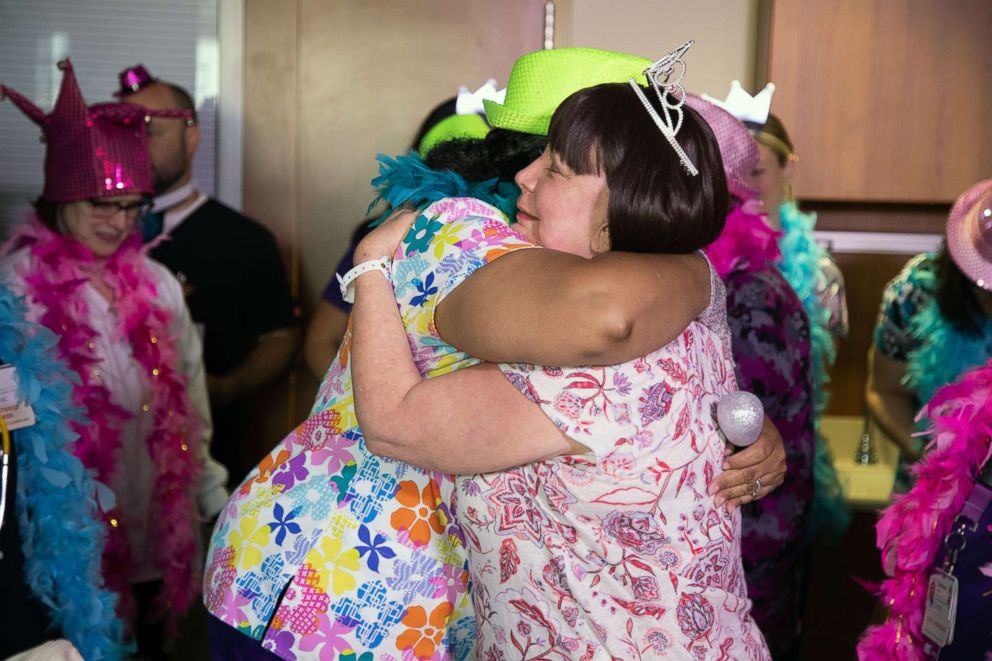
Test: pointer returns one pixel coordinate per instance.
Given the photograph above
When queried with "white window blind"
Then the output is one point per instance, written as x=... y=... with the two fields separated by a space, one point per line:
x=177 y=40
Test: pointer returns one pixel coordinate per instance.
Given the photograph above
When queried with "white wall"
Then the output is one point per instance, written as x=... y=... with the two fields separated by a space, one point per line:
x=725 y=32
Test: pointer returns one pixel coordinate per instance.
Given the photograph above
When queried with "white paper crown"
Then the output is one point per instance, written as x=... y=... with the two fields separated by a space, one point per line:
x=665 y=76
x=470 y=103
x=745 y=107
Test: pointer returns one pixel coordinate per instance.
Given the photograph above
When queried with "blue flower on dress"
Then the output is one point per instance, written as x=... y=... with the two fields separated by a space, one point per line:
x=343 y=481
x=406 y=270
x=418 y=239
x=314 y=497
x=369 y=489
x=412 y=578
x=425 y=287
x=459 y=265
x=371 y=613
x=283 y=523
x=264 y=586
x=459 y=641
x=374 y=547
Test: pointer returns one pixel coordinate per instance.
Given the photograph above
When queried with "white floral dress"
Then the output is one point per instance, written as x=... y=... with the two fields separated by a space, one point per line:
x=618 y=553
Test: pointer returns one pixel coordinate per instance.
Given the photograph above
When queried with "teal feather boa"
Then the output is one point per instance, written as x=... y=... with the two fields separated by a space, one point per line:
x=800 y=266
x=943 y=353
x=56 y=497
x=405 y=179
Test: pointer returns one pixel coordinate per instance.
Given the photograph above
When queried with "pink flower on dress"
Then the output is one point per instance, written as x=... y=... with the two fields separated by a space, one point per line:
x=219 y=577
x=554 y=575
x=635 y=530
x=694 y=615
x=232 y=610
x=450 y=583
x=659 y=640
x=655 y=402
x=645 y=587
x=619 y=464
x=569 y=405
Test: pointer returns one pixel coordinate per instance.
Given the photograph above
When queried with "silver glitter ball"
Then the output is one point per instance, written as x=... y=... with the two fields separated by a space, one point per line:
x=741 y=416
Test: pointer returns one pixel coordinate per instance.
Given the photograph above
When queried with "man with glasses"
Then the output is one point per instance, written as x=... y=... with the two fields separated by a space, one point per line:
x=230 y=268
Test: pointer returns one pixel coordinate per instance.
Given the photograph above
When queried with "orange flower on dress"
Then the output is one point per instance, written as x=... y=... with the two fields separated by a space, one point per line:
x=419 y=514
x=265 y=469
x=425 y=634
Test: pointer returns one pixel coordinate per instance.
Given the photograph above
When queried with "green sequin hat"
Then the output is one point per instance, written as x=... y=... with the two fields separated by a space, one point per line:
x=541 y=80
x=449 y=128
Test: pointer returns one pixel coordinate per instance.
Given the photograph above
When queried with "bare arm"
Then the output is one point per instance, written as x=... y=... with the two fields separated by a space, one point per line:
x=552 y=308
x=890 y=403
x=324 y=337
x=272 y=354
x=484 y=416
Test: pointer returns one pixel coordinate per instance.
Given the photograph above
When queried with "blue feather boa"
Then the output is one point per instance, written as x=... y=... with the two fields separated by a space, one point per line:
x=800 y=266
x=404 y=179
x=56 y=497
x=943 y=353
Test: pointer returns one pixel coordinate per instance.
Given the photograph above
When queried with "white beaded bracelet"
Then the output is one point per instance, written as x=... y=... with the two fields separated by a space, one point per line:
x=347 y=282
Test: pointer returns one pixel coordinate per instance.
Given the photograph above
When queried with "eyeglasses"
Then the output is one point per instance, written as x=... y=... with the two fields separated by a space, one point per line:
x=105 y=210
x=157 y=126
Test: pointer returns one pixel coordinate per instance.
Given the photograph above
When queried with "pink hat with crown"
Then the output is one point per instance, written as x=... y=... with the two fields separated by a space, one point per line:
x=95 y=151
x=969 y=233
x=738 y=148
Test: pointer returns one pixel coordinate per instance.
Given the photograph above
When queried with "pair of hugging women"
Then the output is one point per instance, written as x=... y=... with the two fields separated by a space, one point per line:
x=572 y=504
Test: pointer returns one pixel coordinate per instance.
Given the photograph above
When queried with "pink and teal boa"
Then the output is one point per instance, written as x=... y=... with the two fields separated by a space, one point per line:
x=61 y=525
x=913 y=527
x=59 y=267
x=747 y=243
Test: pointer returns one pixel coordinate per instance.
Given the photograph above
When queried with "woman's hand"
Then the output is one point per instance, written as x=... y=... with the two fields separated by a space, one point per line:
x=386 y=237
x=753 y=472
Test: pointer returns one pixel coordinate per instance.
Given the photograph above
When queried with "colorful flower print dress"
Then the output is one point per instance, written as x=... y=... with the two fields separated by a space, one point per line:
x=618 y=553
x=327 y=550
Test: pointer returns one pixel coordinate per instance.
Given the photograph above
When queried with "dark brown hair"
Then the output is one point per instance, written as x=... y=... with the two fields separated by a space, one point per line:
x=501 y=154
x=181 y=98
x=48 y=213
x=956 y=296
x=655 y=205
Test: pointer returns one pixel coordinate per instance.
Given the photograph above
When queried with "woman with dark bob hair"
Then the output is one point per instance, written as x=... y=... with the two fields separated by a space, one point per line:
x=582 y=492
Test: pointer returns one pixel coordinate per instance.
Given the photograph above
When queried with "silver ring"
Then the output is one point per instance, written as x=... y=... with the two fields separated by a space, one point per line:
x=757 y=487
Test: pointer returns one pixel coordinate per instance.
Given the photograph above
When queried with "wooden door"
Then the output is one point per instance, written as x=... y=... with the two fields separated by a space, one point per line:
x=887 y=100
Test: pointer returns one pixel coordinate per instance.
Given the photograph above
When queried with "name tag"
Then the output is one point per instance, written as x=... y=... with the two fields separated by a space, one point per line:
x=15 y=414
x=942 y=607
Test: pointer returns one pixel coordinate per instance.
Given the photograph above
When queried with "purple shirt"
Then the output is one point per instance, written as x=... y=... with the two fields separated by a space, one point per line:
x=771 y=345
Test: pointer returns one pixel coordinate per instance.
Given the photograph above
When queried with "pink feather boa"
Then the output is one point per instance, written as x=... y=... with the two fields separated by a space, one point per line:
x=913 y=527
x=58 y=268
x=747 y=243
